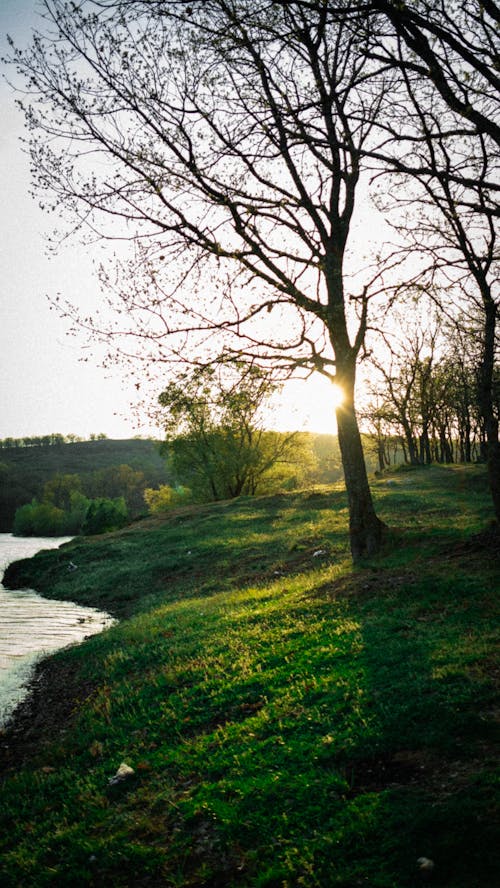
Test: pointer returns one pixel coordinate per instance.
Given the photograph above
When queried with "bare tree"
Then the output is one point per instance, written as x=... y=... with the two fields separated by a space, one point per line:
x=452 y=236
x=454 y=45
x=405 y=391
x=226 y=138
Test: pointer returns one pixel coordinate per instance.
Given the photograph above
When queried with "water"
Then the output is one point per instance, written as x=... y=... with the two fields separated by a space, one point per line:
x=32 y=626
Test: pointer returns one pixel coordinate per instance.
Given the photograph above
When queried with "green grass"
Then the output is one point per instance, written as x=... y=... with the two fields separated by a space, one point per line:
x=291 y=721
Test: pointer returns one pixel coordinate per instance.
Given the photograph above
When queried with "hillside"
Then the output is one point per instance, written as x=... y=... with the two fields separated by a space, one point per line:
x=289 y=720
x=24 y=470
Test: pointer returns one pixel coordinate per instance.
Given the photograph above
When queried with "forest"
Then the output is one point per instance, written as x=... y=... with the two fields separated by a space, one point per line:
x=51 y=471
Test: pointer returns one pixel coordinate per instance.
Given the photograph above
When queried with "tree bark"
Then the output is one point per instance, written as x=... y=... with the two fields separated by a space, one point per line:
x=486 y=404
x=412 y=449
x=485 y=398
x=365 y=528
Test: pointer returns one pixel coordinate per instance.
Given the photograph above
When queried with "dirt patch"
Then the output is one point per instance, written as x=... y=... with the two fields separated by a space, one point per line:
x=419 y=768
x=56 y=693
x=366 y=583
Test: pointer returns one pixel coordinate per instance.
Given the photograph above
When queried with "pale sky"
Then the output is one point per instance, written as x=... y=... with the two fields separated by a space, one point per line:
x=45 y=386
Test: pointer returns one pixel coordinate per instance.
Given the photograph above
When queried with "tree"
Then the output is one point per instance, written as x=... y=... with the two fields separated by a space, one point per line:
x=116 y=481
x=39 y=519
x=59 y=489
x=104 y=515
x=455 y=46
x=448 y=217
x=428 y=390
x=382 y=434
x=216 y=440
x=229 y=139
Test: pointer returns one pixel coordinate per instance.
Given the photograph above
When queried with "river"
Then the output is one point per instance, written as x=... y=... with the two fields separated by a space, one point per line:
x=32 y=626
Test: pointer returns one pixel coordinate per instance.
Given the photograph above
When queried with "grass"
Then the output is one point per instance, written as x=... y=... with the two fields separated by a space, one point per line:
x=290 y=721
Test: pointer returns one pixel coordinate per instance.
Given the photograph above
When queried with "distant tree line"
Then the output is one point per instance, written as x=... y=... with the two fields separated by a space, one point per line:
x=24 y=471
x=53 y=440
x=95 y=502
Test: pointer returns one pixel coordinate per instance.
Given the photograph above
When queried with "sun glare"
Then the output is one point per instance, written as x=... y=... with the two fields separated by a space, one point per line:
x=337 y=396
x=307 y=405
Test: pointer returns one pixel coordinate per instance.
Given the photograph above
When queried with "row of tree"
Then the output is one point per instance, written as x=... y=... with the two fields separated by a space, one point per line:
x=425 y=398
x=53 y=440
x=237 y=144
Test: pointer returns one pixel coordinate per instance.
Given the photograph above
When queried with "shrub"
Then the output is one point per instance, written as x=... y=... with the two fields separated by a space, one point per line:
x=39 y=519
x=104 y=515
x=165 y=498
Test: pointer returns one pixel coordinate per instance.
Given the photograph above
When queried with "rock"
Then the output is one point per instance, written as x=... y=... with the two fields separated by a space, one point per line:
x=425 y=866
x=124 y=772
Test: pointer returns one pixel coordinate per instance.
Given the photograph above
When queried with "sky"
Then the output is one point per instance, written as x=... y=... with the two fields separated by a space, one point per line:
x=51 y=382
x=46 y=383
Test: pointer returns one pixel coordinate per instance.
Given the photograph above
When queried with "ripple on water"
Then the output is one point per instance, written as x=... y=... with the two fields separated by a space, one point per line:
x=32 y=626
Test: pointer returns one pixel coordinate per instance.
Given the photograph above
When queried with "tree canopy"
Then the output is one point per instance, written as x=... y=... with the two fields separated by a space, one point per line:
x=216 y=438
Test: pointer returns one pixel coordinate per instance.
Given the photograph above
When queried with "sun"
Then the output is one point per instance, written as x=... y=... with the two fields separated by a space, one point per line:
x=337 y=395
x=307 y=405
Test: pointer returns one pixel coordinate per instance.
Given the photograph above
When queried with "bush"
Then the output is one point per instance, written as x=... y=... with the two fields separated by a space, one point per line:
x=75 y=518
x=104 y=515
x=39 y=519
x=166 y=498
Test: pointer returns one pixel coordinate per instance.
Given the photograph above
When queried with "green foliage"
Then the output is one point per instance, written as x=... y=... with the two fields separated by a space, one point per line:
x=60 y=488
x=104 y=515
x=78 y=509
x=216 y=443
x=29 y=468
x=116 y=481
x=291 y=721
x=83 y=516
x=166 y=498
x=39 y=519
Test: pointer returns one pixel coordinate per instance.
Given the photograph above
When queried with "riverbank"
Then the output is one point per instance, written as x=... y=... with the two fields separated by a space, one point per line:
x=32 y=626
x=289 y=720
x=55 y=694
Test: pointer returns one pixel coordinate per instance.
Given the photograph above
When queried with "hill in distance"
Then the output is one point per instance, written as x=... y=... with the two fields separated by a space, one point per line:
x=25 y=470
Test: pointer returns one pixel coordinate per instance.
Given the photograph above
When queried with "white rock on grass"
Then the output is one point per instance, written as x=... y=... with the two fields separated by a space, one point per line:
x=425 y=865
x=123 y=773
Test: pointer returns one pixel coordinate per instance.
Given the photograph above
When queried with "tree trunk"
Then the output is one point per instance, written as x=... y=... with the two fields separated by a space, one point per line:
x=365 y=528
x=494 y=475
x=381 y=457
x=468 y=449
x=412 y=449
x=486 y=407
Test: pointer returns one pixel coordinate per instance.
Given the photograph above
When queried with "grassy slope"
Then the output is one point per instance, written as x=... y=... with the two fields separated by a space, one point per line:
x=290 y=721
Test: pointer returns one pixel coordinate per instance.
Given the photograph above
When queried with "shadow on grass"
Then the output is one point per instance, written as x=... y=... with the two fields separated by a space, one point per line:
x=431 y=759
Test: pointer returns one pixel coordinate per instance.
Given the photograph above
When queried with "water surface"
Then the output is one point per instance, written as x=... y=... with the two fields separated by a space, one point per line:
x=32 y=626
